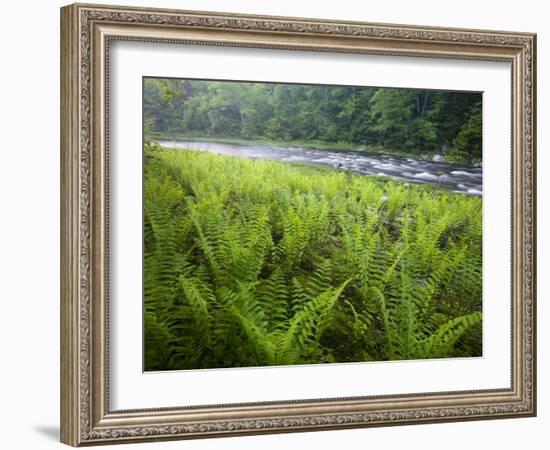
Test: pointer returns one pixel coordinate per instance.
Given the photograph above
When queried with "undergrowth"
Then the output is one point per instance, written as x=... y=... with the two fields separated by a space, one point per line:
x=258 y=263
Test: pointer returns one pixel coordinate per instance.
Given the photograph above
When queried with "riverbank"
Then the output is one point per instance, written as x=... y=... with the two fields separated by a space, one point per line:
x=409 y=170
x=310 y=144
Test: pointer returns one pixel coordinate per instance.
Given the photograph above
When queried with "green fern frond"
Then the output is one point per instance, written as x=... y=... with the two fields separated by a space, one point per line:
x=440 y=344
x=306 y=326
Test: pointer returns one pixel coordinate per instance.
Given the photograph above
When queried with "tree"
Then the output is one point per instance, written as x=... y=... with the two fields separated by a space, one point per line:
x=401 y=119
x=412 y=121
x=467 y=146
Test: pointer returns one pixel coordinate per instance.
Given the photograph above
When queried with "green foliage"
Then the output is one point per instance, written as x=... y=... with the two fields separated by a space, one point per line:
x=402 y=119
x=251 y=263
x=467 y=144
x=412 y=121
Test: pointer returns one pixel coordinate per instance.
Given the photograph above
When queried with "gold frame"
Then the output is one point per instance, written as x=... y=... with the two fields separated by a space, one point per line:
x=86 y=31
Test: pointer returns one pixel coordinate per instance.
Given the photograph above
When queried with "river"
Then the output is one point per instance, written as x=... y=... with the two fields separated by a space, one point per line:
x=467 y=180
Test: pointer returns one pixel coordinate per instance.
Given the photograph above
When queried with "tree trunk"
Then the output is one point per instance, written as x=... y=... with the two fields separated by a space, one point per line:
x=426 y=96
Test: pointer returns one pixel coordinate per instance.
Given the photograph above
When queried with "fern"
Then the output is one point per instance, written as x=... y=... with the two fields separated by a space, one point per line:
x=273 y=295
x=311 y=267
x=199 y=300
x=306 y=326
x=441 y=343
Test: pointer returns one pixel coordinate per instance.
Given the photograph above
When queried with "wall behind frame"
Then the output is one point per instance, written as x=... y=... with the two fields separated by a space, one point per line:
x=29 y=224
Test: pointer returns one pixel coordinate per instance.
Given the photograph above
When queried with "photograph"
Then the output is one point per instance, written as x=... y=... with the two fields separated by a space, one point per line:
x=295 y=224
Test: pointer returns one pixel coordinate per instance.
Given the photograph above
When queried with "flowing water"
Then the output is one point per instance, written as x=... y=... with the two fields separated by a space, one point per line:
x=467 y=180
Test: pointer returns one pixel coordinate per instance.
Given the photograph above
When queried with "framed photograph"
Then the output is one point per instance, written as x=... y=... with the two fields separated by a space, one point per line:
x=276 y=224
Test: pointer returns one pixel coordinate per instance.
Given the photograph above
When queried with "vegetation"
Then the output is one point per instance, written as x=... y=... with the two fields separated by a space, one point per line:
x=251 y=263
x=411 y=121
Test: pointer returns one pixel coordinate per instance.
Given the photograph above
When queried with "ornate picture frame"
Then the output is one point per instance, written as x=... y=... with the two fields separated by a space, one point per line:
x=87 y=31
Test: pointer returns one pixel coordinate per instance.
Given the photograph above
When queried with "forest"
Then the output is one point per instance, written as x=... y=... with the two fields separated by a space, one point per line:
x=422 y=123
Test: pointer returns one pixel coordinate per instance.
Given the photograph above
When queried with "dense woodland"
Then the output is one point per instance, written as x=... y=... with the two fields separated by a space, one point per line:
x=419 y=123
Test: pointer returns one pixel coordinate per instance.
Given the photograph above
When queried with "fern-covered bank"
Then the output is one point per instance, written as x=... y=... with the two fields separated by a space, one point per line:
x=252 y=263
